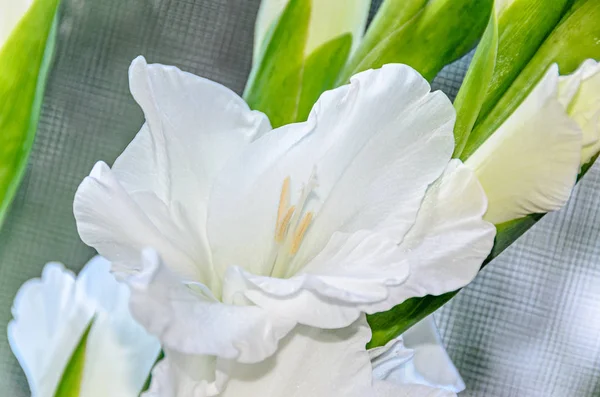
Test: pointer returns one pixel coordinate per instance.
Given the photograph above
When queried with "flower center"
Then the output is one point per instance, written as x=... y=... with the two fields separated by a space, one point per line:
x=291 y=226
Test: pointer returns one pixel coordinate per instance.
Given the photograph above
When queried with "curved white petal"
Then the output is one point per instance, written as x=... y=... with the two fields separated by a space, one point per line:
x=367 y=153
x=365 y=272
x=390 y=389
x=417 y=357
x=581 y=91
x=530 y=164
x=183 y=375
x=12 y=12
x=193 y=127
x=187 y=318
x=310 y=362
x=50 y=317
x=328 y=20
x=119 y=228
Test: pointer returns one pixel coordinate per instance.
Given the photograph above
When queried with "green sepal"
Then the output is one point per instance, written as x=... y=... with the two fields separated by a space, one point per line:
x=70 y=383
x=438 y=34
x=321 y=71
x=391 y=16
x=522 y=28
x=274 y=83
x=469 y=100
x=24 y=65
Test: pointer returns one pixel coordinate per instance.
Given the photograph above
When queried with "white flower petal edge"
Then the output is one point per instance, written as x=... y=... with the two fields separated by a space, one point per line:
x=310 y=362
x=366 y=272
x=530 y=164
x=579 y=93
x=418 y=357
x=50 y=317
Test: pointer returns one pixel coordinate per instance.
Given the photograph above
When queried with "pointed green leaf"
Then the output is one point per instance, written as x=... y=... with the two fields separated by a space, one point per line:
x=24 y=65
x=438 y=34
x=469 y=99
x=70 y=383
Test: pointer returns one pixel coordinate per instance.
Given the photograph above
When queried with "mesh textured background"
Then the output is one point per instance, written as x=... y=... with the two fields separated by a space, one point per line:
x=528 y=326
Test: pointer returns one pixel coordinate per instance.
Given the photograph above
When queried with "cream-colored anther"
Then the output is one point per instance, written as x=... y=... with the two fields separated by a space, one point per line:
x=291 y=226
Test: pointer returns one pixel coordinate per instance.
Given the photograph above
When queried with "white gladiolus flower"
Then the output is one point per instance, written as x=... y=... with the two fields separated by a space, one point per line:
x=256 y=232
x=530 y=164
x=52 y=314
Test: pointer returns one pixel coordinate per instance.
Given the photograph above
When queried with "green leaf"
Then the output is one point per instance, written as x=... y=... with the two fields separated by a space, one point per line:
x=70 y=383
x=274 y=85
x=576 y=38
x=469 y=100
x=438 y=34
x=24 y=65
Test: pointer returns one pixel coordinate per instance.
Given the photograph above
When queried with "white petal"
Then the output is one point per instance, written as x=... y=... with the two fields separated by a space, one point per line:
x=50 y=317
x=367 y=273
x=449 y=240
x=329 y=19
x=310 y=362
x=12 y=12
x=182 y=375
x=374 y=146
x=390 y=389
x=529 y=165
x=109 y=220
x=193 y=127
x=584 y=104
x=187 y=318
x=418 y=357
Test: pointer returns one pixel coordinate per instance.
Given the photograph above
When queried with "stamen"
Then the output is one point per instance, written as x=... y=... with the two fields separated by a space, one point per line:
x=284 y=202
x=283 y=225
x=291 y=225
x=300 y=231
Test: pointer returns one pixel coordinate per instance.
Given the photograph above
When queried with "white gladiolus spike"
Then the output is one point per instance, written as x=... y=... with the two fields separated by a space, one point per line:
x=51 y=315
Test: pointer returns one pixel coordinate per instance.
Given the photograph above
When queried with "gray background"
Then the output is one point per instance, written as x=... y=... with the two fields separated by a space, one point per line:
x=528 y=326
